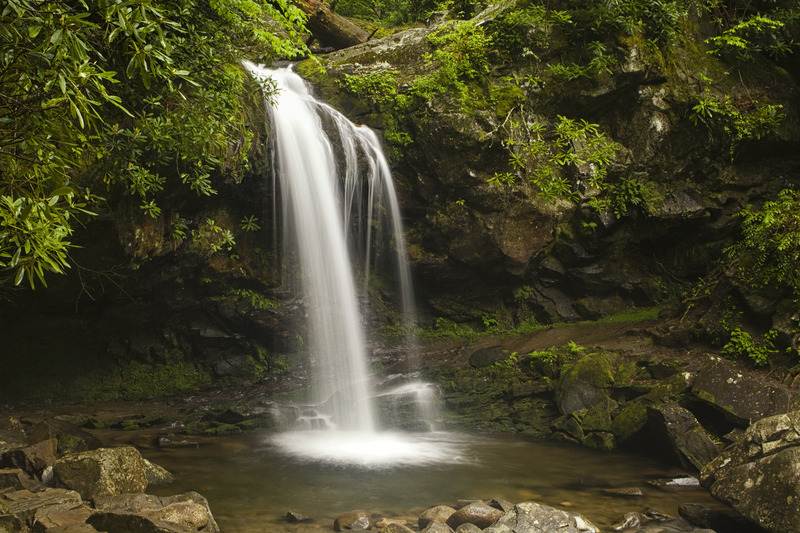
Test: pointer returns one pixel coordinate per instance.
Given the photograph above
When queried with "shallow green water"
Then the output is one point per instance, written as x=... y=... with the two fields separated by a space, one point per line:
x=251 y=484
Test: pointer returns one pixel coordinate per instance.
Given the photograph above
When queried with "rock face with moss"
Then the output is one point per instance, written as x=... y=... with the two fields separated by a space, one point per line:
x=578 y=186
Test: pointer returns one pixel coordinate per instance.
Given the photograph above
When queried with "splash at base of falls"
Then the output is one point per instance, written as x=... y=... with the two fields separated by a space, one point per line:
x=372 y=450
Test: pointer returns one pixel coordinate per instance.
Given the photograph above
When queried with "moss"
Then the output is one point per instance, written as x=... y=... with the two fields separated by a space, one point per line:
x=506 y=98
x=598 y=417
x=140 y=380
x=599 y=440
x=596 y=369
x=630 y=420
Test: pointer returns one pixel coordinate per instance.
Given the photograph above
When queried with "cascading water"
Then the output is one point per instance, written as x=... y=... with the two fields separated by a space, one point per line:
x=321 y=208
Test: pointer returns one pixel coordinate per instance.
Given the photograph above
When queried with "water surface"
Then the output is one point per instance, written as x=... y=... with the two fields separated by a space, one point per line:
x=251 y=483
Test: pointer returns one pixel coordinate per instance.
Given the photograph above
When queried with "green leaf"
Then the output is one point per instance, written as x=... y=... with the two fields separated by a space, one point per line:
x=20 y=275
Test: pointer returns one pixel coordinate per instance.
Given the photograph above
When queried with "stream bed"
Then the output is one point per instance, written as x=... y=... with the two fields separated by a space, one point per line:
x=251 y=483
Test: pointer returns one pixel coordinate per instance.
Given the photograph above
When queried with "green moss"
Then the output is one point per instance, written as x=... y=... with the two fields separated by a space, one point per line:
x=630 y=420
x=505 y=98
x=140 y=380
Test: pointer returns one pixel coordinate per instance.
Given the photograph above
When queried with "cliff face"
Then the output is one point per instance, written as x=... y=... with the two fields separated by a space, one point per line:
x=487 y=242
x=645 y=186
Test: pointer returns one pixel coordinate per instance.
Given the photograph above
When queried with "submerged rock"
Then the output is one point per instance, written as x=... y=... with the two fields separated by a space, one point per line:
x=358 y=520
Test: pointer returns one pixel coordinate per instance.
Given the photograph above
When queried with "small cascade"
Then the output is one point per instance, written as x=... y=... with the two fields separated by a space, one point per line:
x=339 y=208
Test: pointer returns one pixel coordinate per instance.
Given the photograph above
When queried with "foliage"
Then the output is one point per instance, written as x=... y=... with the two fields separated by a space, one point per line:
x=742 y=119
x=210 y=238
x=742 y=345
x=754 y=35
x=387 y=11
x=769 y=251
x=379 y=87
x=460 y=56
x=549 y=158
x=130 y=98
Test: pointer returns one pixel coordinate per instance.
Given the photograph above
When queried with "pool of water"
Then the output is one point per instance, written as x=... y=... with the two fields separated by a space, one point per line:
x=251 y=481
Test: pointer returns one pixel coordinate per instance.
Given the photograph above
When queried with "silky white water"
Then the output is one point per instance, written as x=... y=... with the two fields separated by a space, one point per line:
x=333 y=199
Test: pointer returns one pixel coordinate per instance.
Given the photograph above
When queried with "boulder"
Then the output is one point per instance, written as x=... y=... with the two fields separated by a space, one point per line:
x=468 y=528
x=357 y=519
x=479 y=513
x=681 y=435
x=585 y=384
x=440 y=513
x=104 y=471
x=146 y=513
x=742 y=400
x=759 y=475
x=157 y=475
x=32 y=459
x=533 y=517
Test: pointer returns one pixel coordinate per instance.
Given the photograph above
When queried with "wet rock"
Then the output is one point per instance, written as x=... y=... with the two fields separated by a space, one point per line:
x=759 y=476
x=532 y=516
x=294 y=517
x=437 y=527
x=478 y=513
x=741 y=399
x=683 y=481
x=439 y=513
x=625 y=492
x=357 y=519
x=716 y=518
x=146 y=513
x=500 y=503
x=468 y=528
x=157 y=475
x=32 y=459
x=70 y=437
x=102 y=472
x=687 y=442
x=632 y=520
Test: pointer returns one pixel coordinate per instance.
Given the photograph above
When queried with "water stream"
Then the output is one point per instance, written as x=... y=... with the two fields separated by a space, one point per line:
x=336 y=186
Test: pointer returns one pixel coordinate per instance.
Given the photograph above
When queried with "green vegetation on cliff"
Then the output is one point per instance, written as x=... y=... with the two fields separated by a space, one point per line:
x=128 y=99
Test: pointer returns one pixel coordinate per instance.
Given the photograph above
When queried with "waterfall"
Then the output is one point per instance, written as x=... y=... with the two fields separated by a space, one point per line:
x=333 y=198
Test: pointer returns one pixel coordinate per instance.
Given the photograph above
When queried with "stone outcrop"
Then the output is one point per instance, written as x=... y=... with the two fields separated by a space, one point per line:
x=687 y=440
x=759 y=475
x=742 y=399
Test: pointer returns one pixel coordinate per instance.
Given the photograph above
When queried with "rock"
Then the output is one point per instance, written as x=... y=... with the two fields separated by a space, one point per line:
x=439 y=513
x=759 y=476
x=294 y=517
x=478 y=513
x=484 y=357
x=500 y=503
x=468 y=528
x=533 y=517
x=585 y=384
x=157 y=475
x=685 y=439
x=145 y=513
x=24 y=506
x=17 y=479
x=357 y=519
x=437 y=527
x=741 y=399
x=32 y=459
x=70 y=437
x=105 y=471
x=716 y=518
x=632 y=520
x=395 y=528
x=625 y=492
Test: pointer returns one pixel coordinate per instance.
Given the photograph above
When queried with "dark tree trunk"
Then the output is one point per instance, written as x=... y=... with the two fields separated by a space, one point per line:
x=329 y=28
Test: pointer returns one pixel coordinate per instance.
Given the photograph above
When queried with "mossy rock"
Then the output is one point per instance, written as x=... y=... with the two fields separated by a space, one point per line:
x=630 y=420
x=600 y=440
x=599 y=416
x=585 y=383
